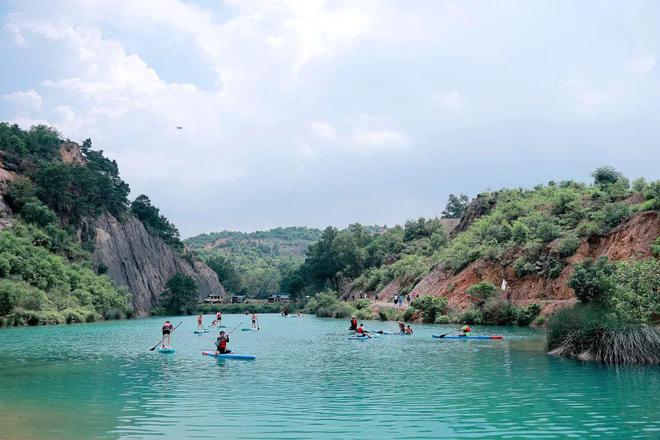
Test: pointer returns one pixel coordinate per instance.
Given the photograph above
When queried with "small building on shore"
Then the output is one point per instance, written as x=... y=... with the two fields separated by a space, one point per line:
x=278 y=299
x=238 y=299
x=213 y=299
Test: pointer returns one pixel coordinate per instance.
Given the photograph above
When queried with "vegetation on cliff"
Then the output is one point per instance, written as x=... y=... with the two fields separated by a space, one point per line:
x=46 y=271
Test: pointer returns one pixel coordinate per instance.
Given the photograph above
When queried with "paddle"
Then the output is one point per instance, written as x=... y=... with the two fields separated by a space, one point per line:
x=155 y=346
x=455 y=331
x=234 y=329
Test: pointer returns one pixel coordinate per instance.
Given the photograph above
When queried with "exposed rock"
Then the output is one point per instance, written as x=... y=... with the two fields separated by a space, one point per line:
x=70 y=153
x=481 y=205
x=144 y=263
x=6 y=176
x=630 y=239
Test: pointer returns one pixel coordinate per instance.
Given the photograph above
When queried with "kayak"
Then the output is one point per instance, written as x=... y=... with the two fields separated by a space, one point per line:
x=167 y=350
x=468 y=337
x=229 y=355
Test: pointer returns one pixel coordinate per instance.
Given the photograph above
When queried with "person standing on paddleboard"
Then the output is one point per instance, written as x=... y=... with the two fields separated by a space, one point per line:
x=354 y=325
x=200 y=325
x=221 y=343
x=466 y=329
x=254 y=320
x=167 y=334
x=218 y=317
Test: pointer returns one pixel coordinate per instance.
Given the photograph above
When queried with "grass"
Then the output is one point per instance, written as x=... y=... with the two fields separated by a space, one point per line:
x=594 y=334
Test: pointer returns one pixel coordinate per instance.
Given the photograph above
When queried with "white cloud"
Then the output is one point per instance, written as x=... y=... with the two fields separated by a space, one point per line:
x=324 y=130
x=367 y=139
x=451 y=100
x=642 y=63
x=15 y=32
x=28 y=99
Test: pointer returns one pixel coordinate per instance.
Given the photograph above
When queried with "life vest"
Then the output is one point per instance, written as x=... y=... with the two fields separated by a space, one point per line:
x=167 y=326
x=222 y=343
x=360 y=330
x=466 y=329
x=354 y=323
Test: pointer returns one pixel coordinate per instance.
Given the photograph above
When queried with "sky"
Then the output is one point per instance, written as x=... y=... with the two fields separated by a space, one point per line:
x=316 y=113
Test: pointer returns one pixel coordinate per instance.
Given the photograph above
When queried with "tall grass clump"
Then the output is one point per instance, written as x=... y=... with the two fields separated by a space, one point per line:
x=592 y=333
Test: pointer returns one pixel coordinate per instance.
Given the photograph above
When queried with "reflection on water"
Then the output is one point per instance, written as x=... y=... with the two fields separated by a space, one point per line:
x=309 y=381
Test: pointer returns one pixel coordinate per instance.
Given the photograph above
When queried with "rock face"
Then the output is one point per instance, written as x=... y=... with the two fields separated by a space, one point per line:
x=144 y=263
x=482 y=205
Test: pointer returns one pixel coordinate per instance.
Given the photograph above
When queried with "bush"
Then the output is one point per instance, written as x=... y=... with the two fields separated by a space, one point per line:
x=568 y=245
x=499 y=312
x=529 y=314
x=409 y=314
x=442 y=319
x=635 y=296
x=472 y=316
x=611 y=215
x=481 y=292
x=430 y=306
x=655 y=247
x=387 y=314
x=592 y=281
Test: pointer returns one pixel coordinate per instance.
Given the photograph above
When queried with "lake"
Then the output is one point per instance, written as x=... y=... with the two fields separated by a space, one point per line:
x=99 y=381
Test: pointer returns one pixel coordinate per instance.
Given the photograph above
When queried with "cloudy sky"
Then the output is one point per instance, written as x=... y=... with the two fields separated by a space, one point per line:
x=331 y=112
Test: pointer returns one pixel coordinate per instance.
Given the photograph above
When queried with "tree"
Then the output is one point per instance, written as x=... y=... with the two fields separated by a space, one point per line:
x=455 y=206
x=156 y=223
x=606 y=175
x=226 y=272
x=181 y=295
x=430 y=306
x=482 y=292
x=592 y=280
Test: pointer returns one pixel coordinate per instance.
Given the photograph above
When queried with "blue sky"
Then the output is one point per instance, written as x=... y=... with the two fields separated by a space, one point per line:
x=332 y=112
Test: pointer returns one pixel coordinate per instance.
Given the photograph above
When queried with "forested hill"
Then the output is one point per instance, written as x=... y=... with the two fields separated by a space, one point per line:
x=73 y=247
x=279 y=242
x=254 y=263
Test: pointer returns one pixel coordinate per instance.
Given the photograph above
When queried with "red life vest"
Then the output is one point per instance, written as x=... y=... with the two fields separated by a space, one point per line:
x=222 y=344
x=354 y=322
x=359 y=330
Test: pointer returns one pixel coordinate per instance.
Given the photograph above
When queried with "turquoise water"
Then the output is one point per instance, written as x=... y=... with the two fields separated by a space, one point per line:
x=309 y=381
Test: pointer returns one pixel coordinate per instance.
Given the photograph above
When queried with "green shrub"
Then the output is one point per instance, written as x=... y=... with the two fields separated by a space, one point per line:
x=409 y=314
x=636 y=290
x=442 y=319
x=387 y=314
x=481 y=292
x=499 y=312
x=592 y=281
x=655 y=247
x=430 y=306
x=362 y=304
x=528 y=314
x=611 y=215
x=472 y=316
x=568 y=245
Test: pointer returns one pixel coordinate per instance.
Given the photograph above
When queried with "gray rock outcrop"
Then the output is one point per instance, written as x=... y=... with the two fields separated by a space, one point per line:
x=144 y=263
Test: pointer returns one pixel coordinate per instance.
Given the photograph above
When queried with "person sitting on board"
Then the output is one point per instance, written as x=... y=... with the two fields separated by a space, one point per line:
x=354 y=325
x=254 y=320
x=409 y=330
x=221 y=343
x=361 y=332
x=200 y=326
x=402 y=328
x=214 y=323
x=167 y=334
x=466 y=329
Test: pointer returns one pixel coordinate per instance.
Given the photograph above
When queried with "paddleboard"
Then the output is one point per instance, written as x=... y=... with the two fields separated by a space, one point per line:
x=362 y=337
x=468 y=337
x=167 y=350
x=229 y=355
x=245 y=329
x=199 y=332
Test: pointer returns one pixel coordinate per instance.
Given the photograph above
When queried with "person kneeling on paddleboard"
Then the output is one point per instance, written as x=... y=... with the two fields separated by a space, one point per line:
x=354 y=325
x=466 y=329
x=402 y=328
x=167 y=337
x=221 y=343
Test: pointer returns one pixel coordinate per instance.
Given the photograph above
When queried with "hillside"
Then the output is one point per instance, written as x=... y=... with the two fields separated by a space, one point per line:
x=72 y=246
x=532 y=238
x=254 y=263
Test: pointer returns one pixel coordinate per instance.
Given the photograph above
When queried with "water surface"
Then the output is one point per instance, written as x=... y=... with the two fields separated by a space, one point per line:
x=100 y=381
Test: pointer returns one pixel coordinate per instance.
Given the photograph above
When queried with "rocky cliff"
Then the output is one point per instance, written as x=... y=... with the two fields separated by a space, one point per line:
x=144 y=263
